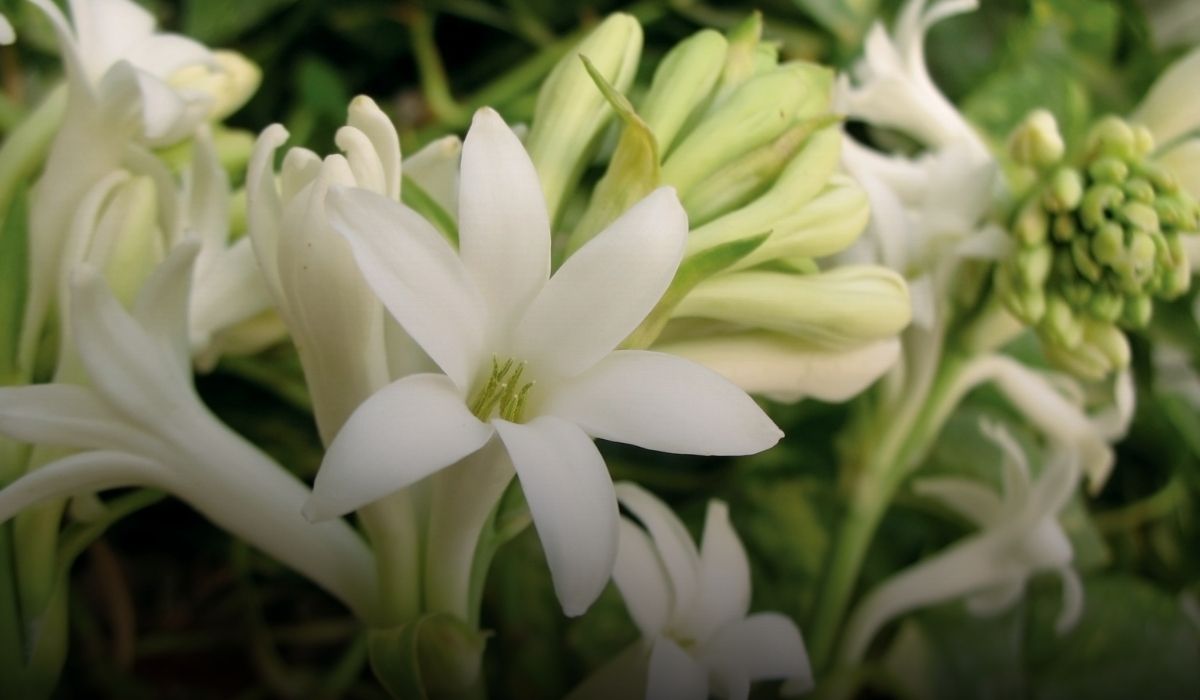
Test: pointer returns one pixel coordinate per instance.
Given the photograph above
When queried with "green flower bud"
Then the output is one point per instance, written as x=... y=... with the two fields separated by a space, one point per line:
x=127 y=242
x=1064 y=228
x=1065 y=191
x=1037 y=142
x=1033 y=265
x=683 y=82
x=571 y=111
x=1106 y=305
x=1104 y=350
x=1108 y=245
x=1082 y=256
x=1139 y=215
x=757 y=112
x=1109 y=170
x=841 y=308
x=1097 y=202
x=1139 y=190
x=1032 y=224
x=1060 y=324
x=1114 y=137
x=827 y=224
x=1137 y=311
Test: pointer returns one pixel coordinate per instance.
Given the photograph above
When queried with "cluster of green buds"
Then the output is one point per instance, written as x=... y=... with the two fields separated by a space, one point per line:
x=752 y=148
x=1097 y=241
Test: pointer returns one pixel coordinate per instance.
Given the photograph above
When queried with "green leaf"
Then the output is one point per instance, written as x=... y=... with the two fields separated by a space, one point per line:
x=1133 y=640
x=13 y=281
x=217 y=22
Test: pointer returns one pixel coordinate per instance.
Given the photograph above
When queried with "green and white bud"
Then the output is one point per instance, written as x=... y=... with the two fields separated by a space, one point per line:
x=1037 y=142
x=1115 y=220
x=571 y=112
x=683 y=82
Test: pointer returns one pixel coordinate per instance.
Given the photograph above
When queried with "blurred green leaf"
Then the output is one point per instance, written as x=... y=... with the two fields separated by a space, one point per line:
x=218 y=22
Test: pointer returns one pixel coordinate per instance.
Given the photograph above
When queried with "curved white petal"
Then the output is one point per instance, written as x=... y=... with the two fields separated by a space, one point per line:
x=106 y=29
x=664 y=403
x=369 y=119
x=403 y=433
x=503 y=226
x=66 y=415
x=724 y=575
x=675 y=547
x=128 y=366
x=763 y=646
x=7 y=34
x=603 y=291
x=435 y=170
x=161 y=306
x=570 y=496
x=1171 y=108
x=264 y=210
x=997 y=599
x=674 y=675
x=1072 y=600
x=79 y=473
x=231 y=291
x=417 y=276
x=1184 y=163
x=642 y=580
x=970 y=499
x=161 y=55
x=784 y=368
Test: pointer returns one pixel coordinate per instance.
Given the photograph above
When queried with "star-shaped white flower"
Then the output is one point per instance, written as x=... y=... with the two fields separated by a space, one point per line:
x=528 y=358
x=1019 y=537
x=691 y=608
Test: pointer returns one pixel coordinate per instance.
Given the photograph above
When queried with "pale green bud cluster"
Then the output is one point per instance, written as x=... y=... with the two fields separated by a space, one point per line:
x=1097 y=241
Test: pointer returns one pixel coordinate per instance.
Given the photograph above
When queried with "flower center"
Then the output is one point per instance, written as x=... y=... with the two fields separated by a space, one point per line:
x=503 y=394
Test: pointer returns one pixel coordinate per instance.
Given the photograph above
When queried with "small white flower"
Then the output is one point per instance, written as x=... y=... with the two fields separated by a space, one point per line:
x=1019 y=537
x=140 y=423
x=528 y=358
x=691 y=607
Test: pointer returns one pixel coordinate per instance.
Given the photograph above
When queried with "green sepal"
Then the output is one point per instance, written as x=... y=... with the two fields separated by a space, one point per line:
x=692 y=271
x=633 y=172
x=434 y=656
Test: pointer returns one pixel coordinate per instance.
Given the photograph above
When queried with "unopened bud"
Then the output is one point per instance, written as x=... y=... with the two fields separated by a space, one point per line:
x=1037 y=142
x=683 y=82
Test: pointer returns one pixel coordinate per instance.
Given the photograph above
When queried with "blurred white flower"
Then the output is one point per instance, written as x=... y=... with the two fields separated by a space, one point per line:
x=691 y=607
x=7 y=34
x=1019 y=537
x=138 y=422
x=528 y=358
x=1171 y=111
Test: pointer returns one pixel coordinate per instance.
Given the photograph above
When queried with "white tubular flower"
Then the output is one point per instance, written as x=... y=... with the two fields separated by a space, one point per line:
x=227 y=287
x=528 y=358
x=120 y=101
x=331 y=313
x=1059 y=417
x=1019 y=537
x=140 y=423
x=1171 y=111
x=691 y=607
x=891 y=84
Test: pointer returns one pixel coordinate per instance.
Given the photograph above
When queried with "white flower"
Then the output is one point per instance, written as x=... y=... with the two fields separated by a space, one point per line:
x=7 y=34
x=691 y=608
x=1171 y=111
x=528 y=358
x=333 y=316
x=140 y=423
x=1019 y=537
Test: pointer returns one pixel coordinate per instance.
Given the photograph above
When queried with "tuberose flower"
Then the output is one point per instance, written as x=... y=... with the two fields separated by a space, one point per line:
x=691 y=607
x=528 y=358
x=1019 y=536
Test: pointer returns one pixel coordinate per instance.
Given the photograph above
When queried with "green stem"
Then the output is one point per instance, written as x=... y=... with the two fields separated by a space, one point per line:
x=904 y=442
x=434 y=82
x=12 y=643
x=392 y=525
x=25 y=148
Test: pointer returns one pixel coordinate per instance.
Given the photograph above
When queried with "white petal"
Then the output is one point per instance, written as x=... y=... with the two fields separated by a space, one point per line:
x=665 y=403
x=787 y=369
x=79 y=473
x=1172 y=106
x=161 y=306
x=997 y=599
x=504 y=229
x=402 y=434
x=675 y=547
x=369 y=119
x=66 y=415
x=7 y=34
x=642 y=580
x=435 y=170
x=571 y=499
x=1184 y=163
x=724 y=576
x=970 y=499
x=603 y=291
x=233 y=290
x=161 y=55
x=763 y=646
x=417 y=276
x=208 y=196
x=108 y=28
x=128 y=366
x=674 y=675
x=1072 y=600
x=264 y=210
